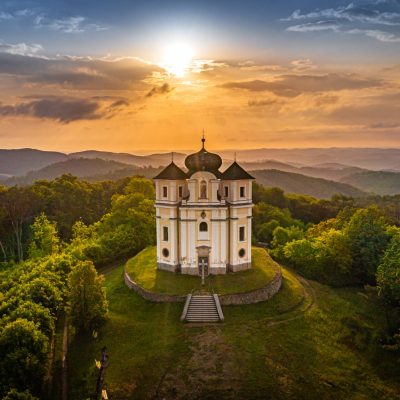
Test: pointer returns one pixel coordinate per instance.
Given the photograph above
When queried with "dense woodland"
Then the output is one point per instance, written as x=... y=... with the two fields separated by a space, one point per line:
x=54 y=235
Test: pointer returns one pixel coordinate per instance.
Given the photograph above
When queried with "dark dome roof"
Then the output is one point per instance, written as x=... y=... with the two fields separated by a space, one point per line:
x=171 y=172
x=235 y=172
x=203 y=161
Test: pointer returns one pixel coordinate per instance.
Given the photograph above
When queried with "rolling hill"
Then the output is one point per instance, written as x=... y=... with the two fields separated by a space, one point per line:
x=379 y=182
x=301 y=184
x=21 y=161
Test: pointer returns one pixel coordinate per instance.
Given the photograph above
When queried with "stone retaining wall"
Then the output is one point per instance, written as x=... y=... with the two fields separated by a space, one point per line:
x=151 y=296
x=255 y=296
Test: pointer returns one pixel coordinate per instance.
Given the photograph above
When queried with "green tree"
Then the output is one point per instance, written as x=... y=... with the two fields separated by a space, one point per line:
x=388 y=273
x=14 y=394
x=87 y=302
x=45 y=240
x=23 y=355
x=368 y=238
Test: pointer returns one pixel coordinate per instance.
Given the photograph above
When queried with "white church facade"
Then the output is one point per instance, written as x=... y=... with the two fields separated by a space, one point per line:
x=203 y=216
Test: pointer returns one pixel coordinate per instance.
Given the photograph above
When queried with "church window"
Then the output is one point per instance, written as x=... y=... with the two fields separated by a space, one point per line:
x=242 y=253
x=242 y=191
x=165 y=191
x=226 y=191
x=242 y=236
x=203 y=227
x=165 y=233
x=203 y=190
x=165 y=252
x=180 y=191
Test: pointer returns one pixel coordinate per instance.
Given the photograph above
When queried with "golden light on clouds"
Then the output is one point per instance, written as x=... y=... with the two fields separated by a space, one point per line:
x=177 y=59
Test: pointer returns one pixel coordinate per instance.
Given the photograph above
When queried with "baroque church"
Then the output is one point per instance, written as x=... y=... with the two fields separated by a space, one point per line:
x=203 y=216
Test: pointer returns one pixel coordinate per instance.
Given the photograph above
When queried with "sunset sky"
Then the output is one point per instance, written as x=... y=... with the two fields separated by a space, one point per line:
x=148 y=76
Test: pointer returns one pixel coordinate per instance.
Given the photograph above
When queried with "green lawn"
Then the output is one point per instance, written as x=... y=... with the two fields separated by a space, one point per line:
x=143 y=270
x=291 y=347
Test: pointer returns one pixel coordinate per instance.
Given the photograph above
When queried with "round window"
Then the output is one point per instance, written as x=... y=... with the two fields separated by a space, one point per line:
x=165 y=252
x=242 y=253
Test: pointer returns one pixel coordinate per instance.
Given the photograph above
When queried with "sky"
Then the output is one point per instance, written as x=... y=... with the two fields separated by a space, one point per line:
x=145 y=76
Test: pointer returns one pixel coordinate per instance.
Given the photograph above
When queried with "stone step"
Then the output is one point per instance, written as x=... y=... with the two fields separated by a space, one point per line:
x=202 y=308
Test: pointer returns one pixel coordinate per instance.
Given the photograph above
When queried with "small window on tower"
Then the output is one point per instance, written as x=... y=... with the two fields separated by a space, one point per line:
x=242 y=234
x=165 y=191
x=226 y=191
x=180 y=191
x=242 y=191
x=165 y=233
x=203 y=227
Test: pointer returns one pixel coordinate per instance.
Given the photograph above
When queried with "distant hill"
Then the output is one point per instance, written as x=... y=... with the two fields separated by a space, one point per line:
x=80 y=167
x=154 y=160
x=21 y=161
x=297 y=183
x=368 y=158
x=379 y=182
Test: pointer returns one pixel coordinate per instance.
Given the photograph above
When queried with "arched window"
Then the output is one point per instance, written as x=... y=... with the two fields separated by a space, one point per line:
x=203 y=227
x=203 y=190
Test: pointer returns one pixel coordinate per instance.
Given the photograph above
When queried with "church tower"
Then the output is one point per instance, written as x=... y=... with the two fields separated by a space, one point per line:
x=203 y=216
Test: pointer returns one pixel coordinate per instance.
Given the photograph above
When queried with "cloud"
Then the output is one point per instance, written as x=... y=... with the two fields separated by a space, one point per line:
x=314 y=27
x=78 y=73
x=377 y=34
x=61 y=109
x=294 y=85
x=351 y=19
x=5 y=15
x=351 y=13
x=75 y=24
x=22 y=49
x=265 y=102
x=163 y=89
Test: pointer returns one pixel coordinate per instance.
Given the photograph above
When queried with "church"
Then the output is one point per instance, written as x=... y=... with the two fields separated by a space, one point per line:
x=203 y=216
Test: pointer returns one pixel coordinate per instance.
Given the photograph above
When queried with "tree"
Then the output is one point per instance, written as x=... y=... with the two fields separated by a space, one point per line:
x=368 y=238
x=388 y=273
x=45 y=240
x=87 y=302
x=14 y=394
x=23 y=355
x=19 y=205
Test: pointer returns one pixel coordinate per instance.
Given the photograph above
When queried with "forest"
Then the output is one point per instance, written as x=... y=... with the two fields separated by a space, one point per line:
x=55 y=236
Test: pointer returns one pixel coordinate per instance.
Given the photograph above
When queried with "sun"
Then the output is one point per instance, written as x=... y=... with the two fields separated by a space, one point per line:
x=177 y=59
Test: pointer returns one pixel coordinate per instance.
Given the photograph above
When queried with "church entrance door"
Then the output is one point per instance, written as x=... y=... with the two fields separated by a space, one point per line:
x=203 y=264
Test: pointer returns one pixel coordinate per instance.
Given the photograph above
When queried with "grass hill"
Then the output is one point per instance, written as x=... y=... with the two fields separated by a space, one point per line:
x=297 y=183
x=309 y=341
x=379 y=182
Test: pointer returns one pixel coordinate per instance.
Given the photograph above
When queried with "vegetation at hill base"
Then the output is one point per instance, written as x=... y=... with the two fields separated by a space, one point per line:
x=54 y=235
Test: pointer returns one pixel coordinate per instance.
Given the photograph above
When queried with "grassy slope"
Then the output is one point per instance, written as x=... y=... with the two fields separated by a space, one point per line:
x=143 y=270
x=323 y=351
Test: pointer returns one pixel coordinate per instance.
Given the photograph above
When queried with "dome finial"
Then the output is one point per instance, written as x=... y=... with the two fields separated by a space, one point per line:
x=203 y=139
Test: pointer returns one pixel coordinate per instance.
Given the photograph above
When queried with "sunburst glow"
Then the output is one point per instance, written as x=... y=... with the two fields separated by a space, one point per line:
x=177 y=59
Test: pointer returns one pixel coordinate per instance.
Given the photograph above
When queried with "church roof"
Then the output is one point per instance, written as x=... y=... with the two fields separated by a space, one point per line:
x=235 y=172
x=203 y=161
x=171 y=172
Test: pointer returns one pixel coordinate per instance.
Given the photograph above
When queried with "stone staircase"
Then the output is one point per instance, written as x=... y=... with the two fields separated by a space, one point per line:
x=202 y=308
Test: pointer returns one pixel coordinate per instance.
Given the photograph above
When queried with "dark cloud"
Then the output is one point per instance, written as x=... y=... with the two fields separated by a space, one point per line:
x=80 y=73
x=64 y=110
x=294 y=85
x=163 y=89
x=264 y=103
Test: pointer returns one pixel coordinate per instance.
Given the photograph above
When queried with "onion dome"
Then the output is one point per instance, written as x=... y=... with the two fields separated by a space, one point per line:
x=171 y=172
x=203 y=161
